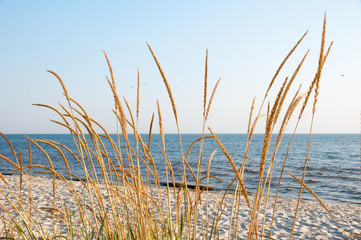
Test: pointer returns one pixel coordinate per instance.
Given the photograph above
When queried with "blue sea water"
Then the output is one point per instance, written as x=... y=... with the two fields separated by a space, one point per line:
x=333 y=168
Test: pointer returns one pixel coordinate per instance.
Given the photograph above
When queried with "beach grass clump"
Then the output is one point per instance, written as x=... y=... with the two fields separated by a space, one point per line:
x=120 y=194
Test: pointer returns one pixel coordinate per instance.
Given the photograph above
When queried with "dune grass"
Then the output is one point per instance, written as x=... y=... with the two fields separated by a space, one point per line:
x=128 y=204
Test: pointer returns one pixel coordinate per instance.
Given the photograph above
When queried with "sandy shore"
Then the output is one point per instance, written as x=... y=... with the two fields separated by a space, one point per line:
x=313 y=221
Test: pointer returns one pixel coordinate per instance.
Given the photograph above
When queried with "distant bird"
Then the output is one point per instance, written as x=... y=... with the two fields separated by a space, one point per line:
x=342 y=75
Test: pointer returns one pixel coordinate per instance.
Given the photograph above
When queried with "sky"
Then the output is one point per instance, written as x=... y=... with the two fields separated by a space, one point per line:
x=246 y=41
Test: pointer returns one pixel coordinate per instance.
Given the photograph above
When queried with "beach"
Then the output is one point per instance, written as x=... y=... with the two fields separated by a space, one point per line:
x=313 y=221
x=180 y=120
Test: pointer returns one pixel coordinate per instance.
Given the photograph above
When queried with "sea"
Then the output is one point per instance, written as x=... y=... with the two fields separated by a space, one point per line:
x=333 y=167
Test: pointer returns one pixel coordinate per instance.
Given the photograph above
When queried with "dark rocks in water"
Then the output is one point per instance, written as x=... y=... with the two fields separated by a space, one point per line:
x=190 y=186
x=7 y=174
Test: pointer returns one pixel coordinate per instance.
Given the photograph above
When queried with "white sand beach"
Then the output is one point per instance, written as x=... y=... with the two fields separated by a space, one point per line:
x=313 y=221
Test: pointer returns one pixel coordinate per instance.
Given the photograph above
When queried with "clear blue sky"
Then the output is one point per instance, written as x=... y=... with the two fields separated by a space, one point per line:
x=247 y=40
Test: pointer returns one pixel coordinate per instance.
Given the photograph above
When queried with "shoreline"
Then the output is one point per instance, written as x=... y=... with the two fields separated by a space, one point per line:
x=212 y=189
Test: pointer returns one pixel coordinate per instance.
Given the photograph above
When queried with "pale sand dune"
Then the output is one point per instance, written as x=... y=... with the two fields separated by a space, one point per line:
x=313 y=220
